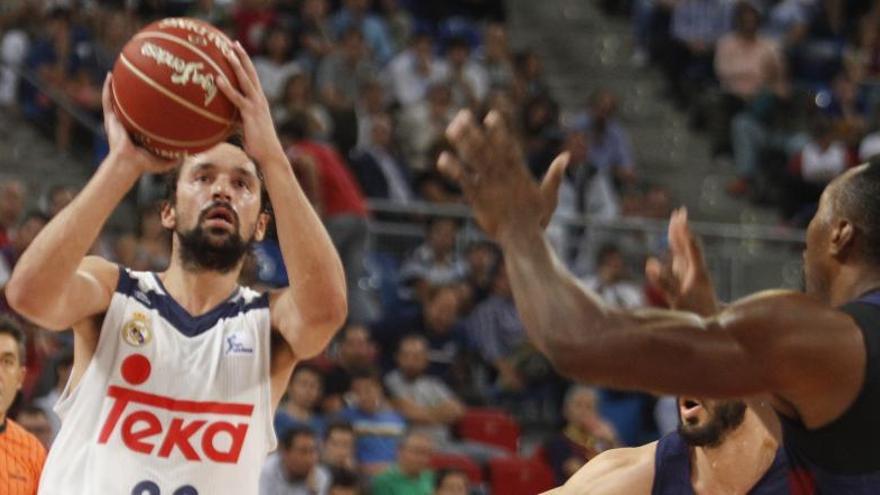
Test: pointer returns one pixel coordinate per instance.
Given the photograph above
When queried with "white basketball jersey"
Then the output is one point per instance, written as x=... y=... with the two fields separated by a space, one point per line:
x=170 y=404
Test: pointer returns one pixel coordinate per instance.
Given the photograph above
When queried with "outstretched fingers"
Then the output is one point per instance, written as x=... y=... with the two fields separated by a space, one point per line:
x=244 y=80
x=469 y=142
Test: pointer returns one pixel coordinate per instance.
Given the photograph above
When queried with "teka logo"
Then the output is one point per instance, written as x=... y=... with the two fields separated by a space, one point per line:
x=142 y=431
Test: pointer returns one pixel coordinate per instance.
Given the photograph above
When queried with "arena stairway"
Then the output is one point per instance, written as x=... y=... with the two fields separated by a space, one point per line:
x=582 y=49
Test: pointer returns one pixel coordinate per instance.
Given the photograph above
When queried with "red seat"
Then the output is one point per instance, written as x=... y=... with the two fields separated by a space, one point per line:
x=491 y=426
x=519 y=476
x=459 y=462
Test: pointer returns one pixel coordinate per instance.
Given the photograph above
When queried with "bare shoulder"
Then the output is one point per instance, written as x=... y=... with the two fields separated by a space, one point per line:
x=813 y=354
x=627 y=470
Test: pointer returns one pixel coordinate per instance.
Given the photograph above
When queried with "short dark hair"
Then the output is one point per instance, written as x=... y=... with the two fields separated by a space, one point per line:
x=338 y=426
x=859 y=199
x=170 y=179
x=412 y=336
x=606 y=251
x=32 y=410
x=344 y=478
x=368 y=373
x=34 y=215
x=447 y=472
x=287 y=437
x=10 y=327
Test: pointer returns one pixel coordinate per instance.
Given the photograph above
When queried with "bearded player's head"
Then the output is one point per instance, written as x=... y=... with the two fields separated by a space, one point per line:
x=216 y=207
x=706 y=423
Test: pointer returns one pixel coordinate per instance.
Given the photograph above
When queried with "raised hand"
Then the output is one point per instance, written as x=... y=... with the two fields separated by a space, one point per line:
x=685 y=279
x=260 y=140
x=489 y=167
x=121 y=145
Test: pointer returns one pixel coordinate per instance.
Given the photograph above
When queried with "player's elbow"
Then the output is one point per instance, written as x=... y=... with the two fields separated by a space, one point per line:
x=21 y=298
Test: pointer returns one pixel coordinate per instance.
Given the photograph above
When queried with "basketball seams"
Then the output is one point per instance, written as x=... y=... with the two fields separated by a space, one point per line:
x=170 y=94
x=164 y=140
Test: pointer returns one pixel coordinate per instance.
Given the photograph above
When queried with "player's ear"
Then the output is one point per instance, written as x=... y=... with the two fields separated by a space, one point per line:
x=262 y=225
x=168 y=214
x=842 y=237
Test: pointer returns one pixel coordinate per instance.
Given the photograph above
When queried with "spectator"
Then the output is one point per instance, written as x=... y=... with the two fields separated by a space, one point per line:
x=275 y=63
x=495 y=56
x=696 y=27
x=338 y=452
x=481 y=258
x=466 y=77
x=822 y=159
x=584 y=436
x=371 y=105
x=452 y=482
x=436 y=320
x=498 y=334
x=400 y=23
x=377 y=167
x=36 y=422
x=252 y=18
x=413 y=71
x=847 y=110
x=378 y=427
x=528 y=81
x=612 y=282
x=31 y=225
x=355 y=352
x=355 y=14
x=435 y=262
x=750 y=69
x=303 y=396
x=14 y=44
x=294 y=469
x=315 y=34
x=422 y=125
x=412 y=474
x=427 y=403
x=342 y=207
x=297 y=98
x=12 y=196
x=345 y=482
x=340 y=77
x=342 y=73
x=62 y=369
x=59 y=196
x=610 y=148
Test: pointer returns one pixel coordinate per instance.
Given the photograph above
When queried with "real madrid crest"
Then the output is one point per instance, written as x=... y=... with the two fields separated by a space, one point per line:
x=136 y=331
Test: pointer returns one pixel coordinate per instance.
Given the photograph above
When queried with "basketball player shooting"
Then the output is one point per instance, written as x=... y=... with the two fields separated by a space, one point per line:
x=815 y=355
x=177 y=374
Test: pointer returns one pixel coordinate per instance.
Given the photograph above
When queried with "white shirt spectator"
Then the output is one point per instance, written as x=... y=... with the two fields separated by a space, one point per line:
x=820 y=166
x=273 y=76
x=274 y=482
x=408 y=83
x=870 y=146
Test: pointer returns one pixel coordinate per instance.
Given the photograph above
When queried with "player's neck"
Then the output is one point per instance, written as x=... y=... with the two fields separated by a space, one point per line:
x=198 y=292
x=738 y=463
x=852 y=282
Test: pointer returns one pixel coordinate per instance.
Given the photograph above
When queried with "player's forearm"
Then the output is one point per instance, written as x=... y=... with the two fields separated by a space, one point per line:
x=317 y=282
x=50 y=262
x=560 y=316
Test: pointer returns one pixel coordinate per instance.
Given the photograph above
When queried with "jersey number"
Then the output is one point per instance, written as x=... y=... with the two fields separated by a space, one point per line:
x=150 y=488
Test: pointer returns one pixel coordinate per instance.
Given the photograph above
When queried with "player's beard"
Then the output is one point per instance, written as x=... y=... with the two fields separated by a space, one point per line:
x=199 y=252
x=723 y=418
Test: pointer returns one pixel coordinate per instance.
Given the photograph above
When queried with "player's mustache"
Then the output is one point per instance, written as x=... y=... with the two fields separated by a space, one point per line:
x=219 y=204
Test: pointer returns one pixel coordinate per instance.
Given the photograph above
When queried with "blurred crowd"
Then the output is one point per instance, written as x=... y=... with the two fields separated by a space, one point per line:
x=787 y=89
x=432 y=386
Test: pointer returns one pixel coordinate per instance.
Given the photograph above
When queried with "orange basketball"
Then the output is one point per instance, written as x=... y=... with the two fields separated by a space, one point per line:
x=165 y=87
